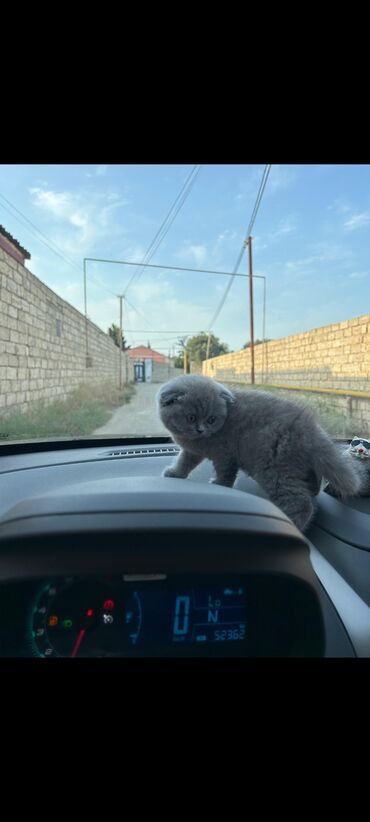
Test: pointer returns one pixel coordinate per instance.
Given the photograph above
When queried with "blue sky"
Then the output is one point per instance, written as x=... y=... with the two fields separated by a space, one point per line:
x=311 y=242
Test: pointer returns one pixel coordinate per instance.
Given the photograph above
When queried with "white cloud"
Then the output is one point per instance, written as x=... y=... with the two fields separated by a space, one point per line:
x=357 y=221
x=340 y=206
x=359 y=275
x=58 y=204
x=285 y=226
x=218 y=255
x=80 y=220
x=249 y=185
x=144 y=292
x=196 y=254
x=280 y=177
x=259 y=244
x=325 y=254
x=158 y=308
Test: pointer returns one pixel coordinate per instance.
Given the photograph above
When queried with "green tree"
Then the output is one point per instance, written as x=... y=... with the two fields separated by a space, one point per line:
x=256 y=342
x=179 y=361
x=114 y=332
x=196 y=347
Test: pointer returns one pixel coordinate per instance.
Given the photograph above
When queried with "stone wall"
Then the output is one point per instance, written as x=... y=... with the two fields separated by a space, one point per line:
x=329 y=367
x=335 y=356
x=43 y=354
x=164 y=371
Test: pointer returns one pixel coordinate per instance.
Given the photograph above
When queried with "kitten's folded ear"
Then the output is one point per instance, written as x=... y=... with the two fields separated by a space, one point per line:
x=170 y=396
x=227 y=395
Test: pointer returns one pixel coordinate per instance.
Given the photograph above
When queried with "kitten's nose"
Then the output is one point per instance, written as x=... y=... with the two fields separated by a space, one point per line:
x=361 y=450
x=200 y=430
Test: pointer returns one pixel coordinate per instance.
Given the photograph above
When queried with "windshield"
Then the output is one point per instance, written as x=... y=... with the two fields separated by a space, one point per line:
x=116 y=278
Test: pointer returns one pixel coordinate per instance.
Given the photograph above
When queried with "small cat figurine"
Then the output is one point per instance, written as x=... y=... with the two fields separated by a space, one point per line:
x=277 y=442
x=358 y=455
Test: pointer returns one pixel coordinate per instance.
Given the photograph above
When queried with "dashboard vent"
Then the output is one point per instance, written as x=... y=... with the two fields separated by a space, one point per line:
x=141 y=451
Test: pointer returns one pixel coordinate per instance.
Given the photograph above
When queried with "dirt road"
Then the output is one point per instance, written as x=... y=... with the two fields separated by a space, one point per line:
x=138 y=417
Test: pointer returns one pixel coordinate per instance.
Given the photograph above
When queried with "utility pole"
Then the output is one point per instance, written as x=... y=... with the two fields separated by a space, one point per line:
x=120 y=297
x=264 y=331
x=85 y=302
x=208 y=344
x=249 y=241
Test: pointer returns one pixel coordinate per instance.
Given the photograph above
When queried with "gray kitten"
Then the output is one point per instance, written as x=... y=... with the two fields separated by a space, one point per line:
x=279 y=443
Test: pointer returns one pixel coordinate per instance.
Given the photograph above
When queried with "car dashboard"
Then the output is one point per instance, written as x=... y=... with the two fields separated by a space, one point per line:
x=101 y=556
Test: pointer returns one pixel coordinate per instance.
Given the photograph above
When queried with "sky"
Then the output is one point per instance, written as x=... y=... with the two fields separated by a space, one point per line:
x=311 y=243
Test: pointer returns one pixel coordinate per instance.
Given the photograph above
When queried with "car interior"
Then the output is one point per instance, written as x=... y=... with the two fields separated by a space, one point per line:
x=102 y=556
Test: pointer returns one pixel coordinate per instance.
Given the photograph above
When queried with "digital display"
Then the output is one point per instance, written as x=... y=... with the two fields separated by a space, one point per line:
x=107 y=617
x=196 y=615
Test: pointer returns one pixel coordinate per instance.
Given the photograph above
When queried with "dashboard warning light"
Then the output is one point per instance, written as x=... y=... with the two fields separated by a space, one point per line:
x=53 y=620
x=89 y=612
x=108 y=605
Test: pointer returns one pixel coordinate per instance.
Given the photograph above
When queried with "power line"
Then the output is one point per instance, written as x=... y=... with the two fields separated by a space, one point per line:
x=167 y=222
x=159 y=236
x=139 y=313
x=49 y=244
x=152 y=248
x=181 y=203
x=108 y=290
x=245 y=242
x=104 y=287
x=259 y=198
x=193 y=172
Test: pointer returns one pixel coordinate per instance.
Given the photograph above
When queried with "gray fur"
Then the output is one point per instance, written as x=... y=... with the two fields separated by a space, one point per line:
x=279 y=443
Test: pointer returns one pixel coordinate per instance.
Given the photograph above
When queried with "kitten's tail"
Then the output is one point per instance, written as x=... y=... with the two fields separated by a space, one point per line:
x=331 y=464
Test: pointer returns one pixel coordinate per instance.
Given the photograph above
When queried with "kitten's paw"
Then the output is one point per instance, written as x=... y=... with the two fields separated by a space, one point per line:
x=170 y=472
x=225 y=483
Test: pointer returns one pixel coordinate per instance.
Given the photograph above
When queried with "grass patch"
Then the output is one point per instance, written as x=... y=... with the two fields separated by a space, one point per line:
x=86 y=408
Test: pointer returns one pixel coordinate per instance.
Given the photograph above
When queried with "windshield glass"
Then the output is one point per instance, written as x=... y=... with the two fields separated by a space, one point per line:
x=115 y=278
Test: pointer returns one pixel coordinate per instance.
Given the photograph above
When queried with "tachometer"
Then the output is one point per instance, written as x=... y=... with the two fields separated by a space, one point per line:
x=83 y=618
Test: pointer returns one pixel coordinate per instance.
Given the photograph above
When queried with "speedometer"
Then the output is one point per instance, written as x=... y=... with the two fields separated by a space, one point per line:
x=79 y=618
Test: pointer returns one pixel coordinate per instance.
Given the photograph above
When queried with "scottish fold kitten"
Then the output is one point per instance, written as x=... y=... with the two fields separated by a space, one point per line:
x=358 y=455
x=277 y=442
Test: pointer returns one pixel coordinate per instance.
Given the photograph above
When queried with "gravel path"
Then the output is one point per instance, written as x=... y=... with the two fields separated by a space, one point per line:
x=138 y=417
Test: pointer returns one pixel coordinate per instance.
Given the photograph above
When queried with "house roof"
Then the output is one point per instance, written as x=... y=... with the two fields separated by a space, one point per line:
x=143 y=352
x=26 y=254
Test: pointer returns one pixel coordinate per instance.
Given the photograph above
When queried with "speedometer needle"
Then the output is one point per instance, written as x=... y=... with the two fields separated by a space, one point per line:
x=78 y=642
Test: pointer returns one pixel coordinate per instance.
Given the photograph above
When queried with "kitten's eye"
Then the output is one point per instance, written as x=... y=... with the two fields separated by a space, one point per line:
x=211 y=420
x=191 y=417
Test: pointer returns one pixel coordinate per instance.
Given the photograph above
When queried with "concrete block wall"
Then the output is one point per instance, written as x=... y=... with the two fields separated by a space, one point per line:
x=324 y=361
x=336 y=356
x=43 y=343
